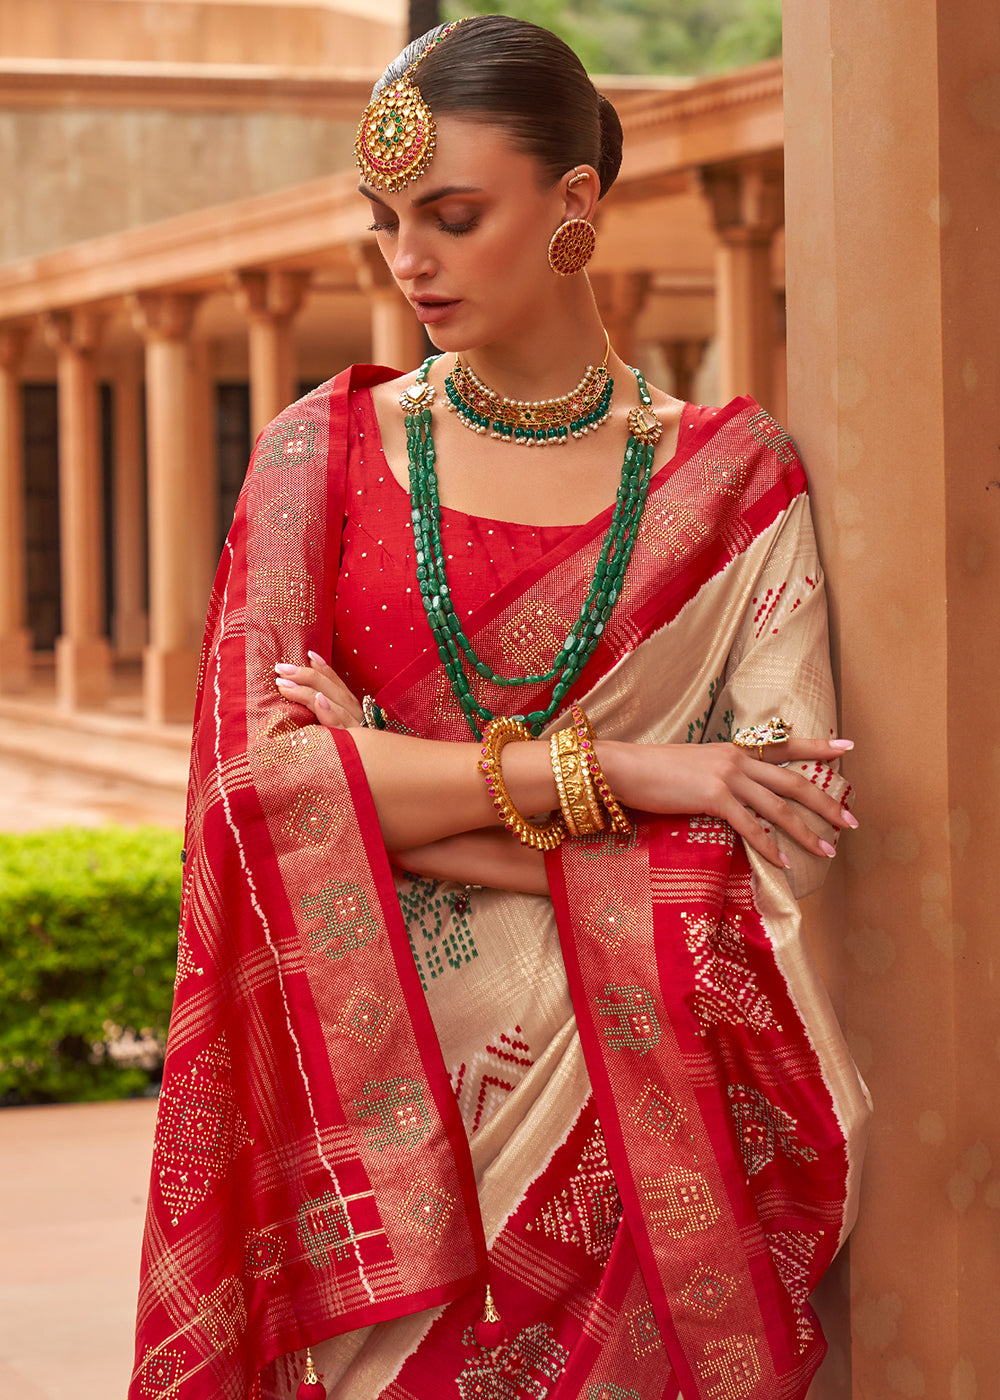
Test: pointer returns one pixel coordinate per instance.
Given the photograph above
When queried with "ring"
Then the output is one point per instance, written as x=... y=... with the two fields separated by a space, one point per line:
x=773 y=731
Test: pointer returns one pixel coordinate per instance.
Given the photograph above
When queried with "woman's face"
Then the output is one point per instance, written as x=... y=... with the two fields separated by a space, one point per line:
x=467 y=242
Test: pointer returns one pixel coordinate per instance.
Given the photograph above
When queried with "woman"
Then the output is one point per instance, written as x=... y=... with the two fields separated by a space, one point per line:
x=459 y=1104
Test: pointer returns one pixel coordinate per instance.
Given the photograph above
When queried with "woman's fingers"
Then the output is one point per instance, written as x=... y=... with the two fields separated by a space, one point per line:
x=320 y=689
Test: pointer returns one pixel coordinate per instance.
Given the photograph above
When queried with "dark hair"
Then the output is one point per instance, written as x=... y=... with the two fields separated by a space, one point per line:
x=521 y=77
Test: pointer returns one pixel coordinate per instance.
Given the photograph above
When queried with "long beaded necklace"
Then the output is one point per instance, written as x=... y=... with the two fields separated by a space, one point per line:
x=535 y=422
x=454 y=647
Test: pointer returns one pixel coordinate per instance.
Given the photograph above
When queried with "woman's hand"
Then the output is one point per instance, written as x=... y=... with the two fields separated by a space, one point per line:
x=722 y=780
x=320 y=689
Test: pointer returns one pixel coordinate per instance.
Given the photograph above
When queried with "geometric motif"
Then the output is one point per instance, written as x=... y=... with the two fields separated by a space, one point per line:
x=284 y=593
x=721 y=475
x=198 y=1132
x=185 y=962
x=162 y=1372
x=506 y=1372
x=325 y=1226
x=607 y=1390
x=644 y=1331
x=425 y=909
x=365 y=1016
x=263 y=1253
x=347 y=920
x=288 y=517
x=586 y=1213
x=726 y=990
x=427 y=1207
x=312 y=817
x=606 y=844
x=792 y=1252
x=399 y=1104
x=709 y=831
x=532 y=637
x=223 y=1314
x=638 y=1028
x=672 y=530
x=762 y=1127
x=481 y=1086
x=656 y=1112
x=286 y=742
x=734 y=1364
x=684 y=1202
x=286 y=445
x=771 y=434
x=707 y=1291
x=609 y=920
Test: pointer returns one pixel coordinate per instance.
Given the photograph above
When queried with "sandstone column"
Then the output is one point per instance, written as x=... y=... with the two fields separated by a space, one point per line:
x=397 y=336
x=170 y=664
x=684 y=358
x=127 y=511
x=270 y=300
x=620 y=298
x=893 y=149
x=15 y=639
x=83 y=656
x=747 y=210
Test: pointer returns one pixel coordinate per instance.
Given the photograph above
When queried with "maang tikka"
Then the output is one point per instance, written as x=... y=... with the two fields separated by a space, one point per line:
x=396 y=136
x=572 y=245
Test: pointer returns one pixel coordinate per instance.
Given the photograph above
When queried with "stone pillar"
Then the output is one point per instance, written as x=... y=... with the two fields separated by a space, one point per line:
x=620 y=298
x=398 y=338
x=892 y=153
x=747 y=210
x=128 y=621
x=170 y=664
x=83 y=656
x=684 y=358
x=203 y=481
x=15 y=639
x=270 y=300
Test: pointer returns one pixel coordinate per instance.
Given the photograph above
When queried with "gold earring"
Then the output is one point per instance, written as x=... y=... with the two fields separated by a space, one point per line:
x=571 y=247
x=578 y=178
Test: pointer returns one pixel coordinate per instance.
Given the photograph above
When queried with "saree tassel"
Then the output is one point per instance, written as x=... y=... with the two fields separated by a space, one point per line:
x=489 y=1331
x=310 y=1386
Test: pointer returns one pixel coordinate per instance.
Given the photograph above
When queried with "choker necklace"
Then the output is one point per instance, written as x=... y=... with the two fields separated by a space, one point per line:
x=539 y=422
x=456 y=651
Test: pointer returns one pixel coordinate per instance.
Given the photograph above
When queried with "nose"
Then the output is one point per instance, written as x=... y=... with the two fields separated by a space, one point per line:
x=411 y=256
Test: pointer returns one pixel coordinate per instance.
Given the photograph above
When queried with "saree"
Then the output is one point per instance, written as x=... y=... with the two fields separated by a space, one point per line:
x=628 y=1108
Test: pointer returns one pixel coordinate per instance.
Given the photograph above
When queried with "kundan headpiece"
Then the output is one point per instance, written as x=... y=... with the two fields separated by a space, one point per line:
x=396 y=137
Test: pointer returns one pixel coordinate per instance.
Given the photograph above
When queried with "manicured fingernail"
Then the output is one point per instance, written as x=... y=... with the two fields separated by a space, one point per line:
x=284 y=669
x=827 y=849
x=315 y=656
x=842 y=744
x=784 y=860
x=322 y=703
x=283 y=684
x=848 y=818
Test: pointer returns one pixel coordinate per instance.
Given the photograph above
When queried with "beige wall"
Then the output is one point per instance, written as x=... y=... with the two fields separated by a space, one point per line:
x=86 y=172
x=340 y=34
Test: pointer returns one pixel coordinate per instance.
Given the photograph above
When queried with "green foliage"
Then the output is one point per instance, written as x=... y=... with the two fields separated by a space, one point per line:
x=88 y=948
x=650 y=36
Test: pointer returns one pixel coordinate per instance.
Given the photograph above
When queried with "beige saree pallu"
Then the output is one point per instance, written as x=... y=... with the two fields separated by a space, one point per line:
x=628 y=1109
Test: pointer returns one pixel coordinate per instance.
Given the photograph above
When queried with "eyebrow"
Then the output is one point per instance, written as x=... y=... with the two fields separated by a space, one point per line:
x=442 y=193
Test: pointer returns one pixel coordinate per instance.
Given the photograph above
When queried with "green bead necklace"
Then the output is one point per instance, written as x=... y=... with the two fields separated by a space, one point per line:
x=454 y=648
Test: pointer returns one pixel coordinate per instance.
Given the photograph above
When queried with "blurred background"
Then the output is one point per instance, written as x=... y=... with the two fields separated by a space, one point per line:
x=182 y=253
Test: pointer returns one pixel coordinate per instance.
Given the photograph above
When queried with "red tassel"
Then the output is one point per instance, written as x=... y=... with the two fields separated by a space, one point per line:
x=489 y=1331
x=310 y=1386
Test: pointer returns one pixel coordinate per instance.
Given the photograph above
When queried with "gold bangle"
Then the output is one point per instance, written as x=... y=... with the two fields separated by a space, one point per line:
x=588 y=739
x=498 y=732
x=580 y=808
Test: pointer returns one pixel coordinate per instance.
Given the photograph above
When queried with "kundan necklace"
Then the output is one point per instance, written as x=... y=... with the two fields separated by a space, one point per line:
x=454 y=648
x=537 y=422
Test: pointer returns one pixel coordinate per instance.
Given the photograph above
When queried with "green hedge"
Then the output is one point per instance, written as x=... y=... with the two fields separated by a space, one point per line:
x=88 y=948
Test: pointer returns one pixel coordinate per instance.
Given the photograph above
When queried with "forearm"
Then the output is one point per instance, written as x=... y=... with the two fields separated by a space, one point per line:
x=492 y=858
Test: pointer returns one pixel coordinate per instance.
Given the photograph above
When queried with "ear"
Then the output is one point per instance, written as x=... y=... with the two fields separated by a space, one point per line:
x=580 y=195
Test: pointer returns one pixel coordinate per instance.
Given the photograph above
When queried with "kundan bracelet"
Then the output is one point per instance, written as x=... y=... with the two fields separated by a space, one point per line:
x=575 y=784
x=585 y=732
x=498 y=732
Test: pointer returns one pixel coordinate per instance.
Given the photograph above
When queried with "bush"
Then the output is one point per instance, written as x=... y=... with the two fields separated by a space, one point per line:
x=88 y=948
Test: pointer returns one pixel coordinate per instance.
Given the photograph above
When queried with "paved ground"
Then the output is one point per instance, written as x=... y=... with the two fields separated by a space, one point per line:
x=73 y=1181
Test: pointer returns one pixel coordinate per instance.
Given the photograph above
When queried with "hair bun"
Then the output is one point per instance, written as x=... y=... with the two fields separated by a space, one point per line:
x=611 y=143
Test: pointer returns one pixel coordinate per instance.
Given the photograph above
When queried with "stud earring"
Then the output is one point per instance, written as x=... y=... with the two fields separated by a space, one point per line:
x=571 y=247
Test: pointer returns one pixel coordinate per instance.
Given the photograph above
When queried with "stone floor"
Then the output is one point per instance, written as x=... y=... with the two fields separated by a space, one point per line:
x=74 y=1177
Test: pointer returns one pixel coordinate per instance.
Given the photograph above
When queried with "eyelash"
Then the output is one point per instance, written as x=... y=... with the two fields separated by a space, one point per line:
x=456 y=229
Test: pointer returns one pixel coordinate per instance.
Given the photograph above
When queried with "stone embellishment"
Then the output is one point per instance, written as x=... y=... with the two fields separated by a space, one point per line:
x=644 y=425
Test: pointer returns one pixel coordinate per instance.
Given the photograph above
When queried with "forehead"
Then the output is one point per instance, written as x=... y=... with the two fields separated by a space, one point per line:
x=470 y=155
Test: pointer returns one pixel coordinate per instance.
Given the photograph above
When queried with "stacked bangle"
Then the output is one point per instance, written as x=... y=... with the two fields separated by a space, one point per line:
x=500 y=731
x=587 y=739
x=577 y=796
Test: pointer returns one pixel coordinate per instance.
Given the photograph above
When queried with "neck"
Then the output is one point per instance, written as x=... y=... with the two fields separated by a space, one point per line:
x=547 y=358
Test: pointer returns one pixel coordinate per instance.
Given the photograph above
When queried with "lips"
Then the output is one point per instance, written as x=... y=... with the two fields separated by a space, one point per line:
x=432 y=310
